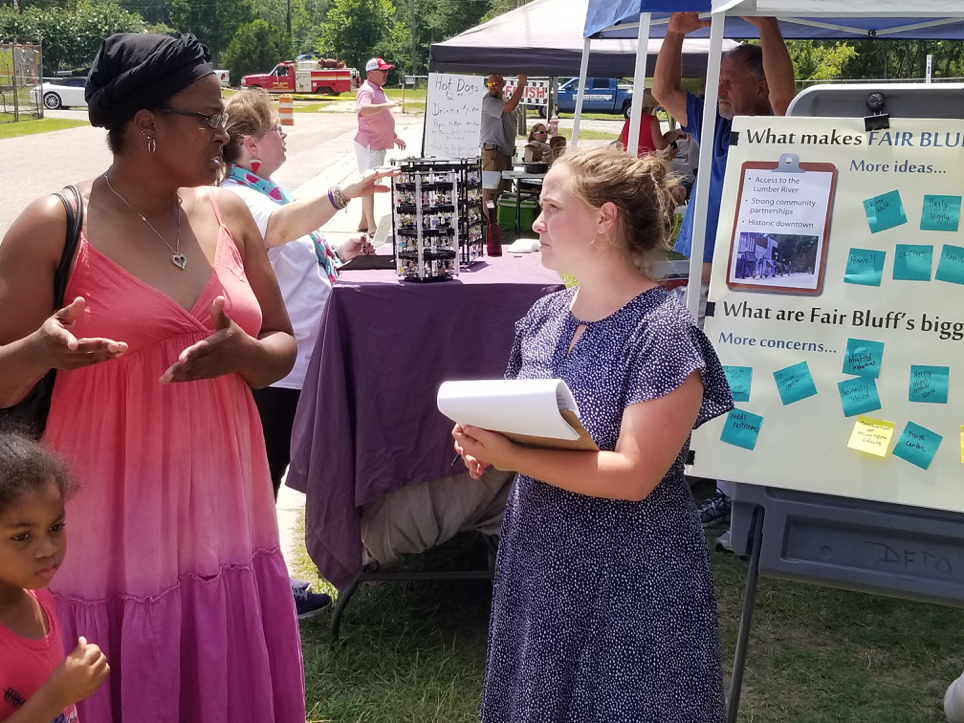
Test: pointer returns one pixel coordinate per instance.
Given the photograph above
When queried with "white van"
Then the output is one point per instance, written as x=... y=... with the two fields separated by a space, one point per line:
x=224 y=77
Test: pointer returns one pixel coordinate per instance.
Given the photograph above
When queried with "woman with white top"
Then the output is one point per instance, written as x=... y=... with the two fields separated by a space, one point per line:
x=303 y=262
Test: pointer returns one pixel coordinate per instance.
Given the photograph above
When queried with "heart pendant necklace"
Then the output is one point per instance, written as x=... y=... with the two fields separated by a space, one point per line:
x=177 y=258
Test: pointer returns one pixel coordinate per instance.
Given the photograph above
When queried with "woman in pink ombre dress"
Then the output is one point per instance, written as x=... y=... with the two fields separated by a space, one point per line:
x=175 y=569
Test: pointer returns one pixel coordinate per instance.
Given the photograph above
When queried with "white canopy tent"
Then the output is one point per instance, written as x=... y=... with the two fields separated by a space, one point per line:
x=799 y=19
x=545 y=37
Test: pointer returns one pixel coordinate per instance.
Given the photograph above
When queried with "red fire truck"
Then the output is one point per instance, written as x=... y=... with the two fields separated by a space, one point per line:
x=325 y=76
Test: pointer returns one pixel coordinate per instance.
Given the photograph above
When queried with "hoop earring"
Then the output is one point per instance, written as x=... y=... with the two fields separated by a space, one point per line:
x=151 y=145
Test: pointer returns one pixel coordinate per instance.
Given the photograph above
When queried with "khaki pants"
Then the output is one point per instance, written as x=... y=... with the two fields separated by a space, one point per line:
x=495 y=160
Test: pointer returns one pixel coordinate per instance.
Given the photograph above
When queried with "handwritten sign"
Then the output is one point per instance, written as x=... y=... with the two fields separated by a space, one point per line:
x=928 y=384
x=951 y=266
x=885 y=211
x=917 y=445
x=742 y=428
x=453 y=115
x=913 y=262
x=940 y=213
x=794 y=383
x=863 y=358
x=739 y=379
x=858 y=396
x=871 y=436
x=865 y=267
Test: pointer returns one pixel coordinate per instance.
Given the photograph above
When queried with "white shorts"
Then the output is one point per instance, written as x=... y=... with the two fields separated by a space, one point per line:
x=368 y=158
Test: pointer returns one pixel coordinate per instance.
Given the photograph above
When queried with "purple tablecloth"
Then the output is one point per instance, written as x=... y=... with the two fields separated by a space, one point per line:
x=367 y=423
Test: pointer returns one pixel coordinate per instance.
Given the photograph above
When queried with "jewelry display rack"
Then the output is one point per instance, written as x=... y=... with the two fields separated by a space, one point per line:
x=437 y=217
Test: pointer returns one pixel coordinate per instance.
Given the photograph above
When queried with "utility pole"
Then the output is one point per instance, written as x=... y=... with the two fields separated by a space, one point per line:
x=414 y=52
x=291 y=39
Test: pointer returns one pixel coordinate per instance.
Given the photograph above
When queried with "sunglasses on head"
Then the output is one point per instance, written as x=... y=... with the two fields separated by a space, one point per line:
x=214 y=120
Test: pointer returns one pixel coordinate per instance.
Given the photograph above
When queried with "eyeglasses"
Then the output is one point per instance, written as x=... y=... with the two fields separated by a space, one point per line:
x=275 y=129
x=495 y=85
x=214 y=120
x=539 y=133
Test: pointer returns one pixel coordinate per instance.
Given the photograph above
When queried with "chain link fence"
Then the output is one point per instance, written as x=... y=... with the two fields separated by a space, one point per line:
x=20 y=71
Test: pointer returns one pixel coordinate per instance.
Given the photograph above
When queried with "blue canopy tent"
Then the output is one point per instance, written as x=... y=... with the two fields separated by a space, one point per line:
x=799 y=19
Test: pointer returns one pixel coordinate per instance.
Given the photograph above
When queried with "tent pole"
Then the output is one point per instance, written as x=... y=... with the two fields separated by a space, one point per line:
x=702 y=190
x=639 y=83
x=581 y=93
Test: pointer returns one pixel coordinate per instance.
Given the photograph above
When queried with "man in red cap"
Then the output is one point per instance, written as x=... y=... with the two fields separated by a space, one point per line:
x=376 y=130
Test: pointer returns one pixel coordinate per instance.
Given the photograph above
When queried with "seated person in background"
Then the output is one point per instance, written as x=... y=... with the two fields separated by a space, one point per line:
x=685 y=160
x=651 y=136
x=558 y=146
x=537 y=149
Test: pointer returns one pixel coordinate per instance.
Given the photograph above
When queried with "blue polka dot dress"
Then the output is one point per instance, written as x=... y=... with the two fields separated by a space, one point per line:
x=604 y=610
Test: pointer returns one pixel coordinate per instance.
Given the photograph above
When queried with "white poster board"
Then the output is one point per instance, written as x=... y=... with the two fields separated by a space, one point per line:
x=839 y=310
x=453 y=115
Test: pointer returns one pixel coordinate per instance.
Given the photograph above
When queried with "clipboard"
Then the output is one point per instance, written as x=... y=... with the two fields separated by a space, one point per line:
x=781 y=228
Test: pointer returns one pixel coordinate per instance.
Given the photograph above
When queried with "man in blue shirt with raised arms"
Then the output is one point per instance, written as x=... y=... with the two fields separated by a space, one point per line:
x=754 y=80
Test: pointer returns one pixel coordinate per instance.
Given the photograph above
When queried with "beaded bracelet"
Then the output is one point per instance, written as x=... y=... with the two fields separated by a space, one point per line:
x=337 y=198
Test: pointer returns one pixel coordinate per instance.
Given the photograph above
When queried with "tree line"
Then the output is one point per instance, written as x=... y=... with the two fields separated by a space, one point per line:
x=249 y=36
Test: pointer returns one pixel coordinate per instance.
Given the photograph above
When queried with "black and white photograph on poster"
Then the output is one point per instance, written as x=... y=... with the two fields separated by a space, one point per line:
x=776 y=260
x=781 y=227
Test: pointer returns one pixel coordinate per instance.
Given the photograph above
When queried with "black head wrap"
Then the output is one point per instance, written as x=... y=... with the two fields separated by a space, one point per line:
x=134 y=70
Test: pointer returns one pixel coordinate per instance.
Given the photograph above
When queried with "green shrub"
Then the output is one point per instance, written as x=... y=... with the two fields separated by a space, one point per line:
x=256 y=48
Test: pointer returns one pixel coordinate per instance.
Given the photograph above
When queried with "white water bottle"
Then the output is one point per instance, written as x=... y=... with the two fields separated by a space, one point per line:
x=954 y=701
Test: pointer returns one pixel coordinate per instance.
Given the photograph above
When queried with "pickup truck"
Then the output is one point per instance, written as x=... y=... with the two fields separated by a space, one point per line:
x=603 y=95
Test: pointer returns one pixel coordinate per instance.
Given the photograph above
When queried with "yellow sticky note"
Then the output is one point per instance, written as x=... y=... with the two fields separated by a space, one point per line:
x=962 y=444
x=873 y=435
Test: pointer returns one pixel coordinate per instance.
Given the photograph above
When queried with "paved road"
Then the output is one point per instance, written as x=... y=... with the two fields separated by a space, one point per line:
x=38 y=164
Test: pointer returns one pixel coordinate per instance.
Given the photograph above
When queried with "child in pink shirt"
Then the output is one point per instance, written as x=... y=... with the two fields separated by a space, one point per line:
x=37 y=683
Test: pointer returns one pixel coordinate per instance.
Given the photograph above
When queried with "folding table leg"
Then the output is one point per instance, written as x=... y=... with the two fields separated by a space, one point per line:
x=343 y=599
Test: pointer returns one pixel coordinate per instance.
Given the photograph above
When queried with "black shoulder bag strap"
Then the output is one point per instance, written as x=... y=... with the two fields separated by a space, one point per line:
x=75 y=222
x=29 y=415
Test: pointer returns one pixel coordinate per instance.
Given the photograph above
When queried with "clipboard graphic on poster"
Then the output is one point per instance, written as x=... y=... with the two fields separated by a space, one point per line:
x=782 y=226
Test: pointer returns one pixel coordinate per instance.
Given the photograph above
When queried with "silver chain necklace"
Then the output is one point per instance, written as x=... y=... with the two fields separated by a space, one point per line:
x=177 y=258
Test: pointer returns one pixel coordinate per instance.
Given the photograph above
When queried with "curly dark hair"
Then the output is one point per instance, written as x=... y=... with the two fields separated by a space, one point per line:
x=27 y=466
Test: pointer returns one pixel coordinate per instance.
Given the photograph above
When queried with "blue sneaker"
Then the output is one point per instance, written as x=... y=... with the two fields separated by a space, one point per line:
x=309 y=604
x=297 y=584
x=714 y=510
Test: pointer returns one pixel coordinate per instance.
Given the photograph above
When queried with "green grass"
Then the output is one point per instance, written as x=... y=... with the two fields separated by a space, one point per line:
x=410 y=94
x=593 y=116
x=26 y=128
x=415 y=651
x=589 y=135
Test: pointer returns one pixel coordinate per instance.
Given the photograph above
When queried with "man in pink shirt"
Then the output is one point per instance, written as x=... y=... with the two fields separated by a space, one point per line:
x=376 y=130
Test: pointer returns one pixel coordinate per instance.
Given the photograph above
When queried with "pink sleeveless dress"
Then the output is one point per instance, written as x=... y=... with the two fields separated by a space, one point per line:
x=173 y=565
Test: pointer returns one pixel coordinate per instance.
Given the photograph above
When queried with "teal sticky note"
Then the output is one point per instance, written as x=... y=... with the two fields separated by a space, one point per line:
x=918 y=445
x=951 y=265
x=794 y=383
x=739 y=379
x=858 y=396
x=865 y=267
x=940 y=213
x=913 y=262
x=863 y=358
x=928 y=384
x=885 y=211
x=742 y=428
